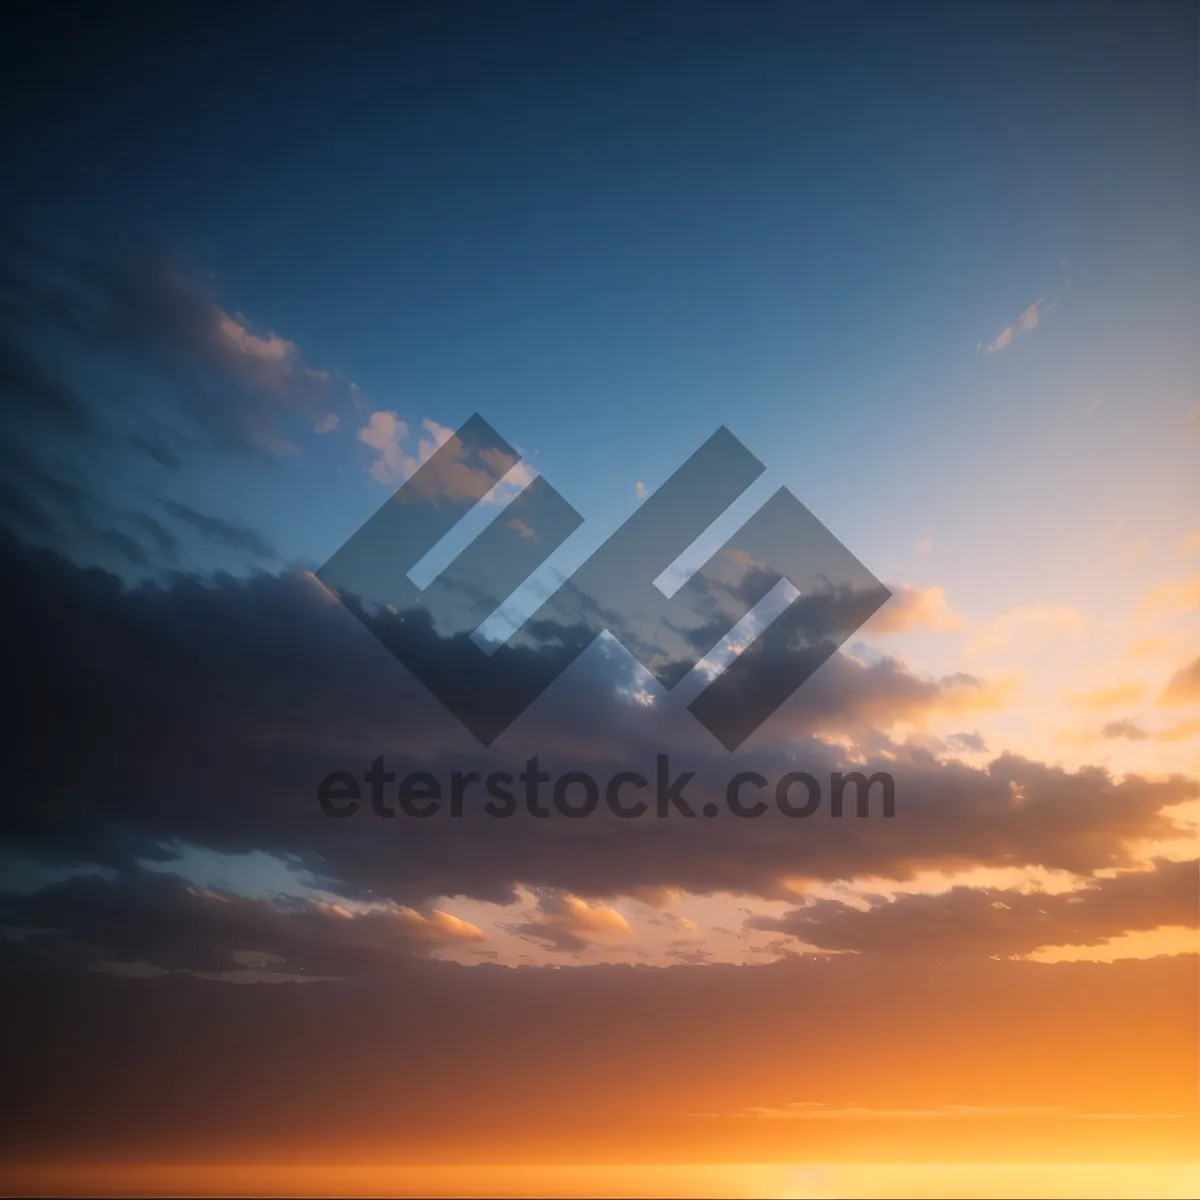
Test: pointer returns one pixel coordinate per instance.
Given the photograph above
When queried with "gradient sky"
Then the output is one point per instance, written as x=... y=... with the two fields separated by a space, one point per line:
x=934 y=264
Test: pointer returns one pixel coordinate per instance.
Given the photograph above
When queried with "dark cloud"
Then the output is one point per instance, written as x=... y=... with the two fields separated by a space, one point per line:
x=110 y=349
x=165 y=542
x=39 y=497
x=39 y=502
x=207 y=711
x=30 y=388
x=1124 y=728
x=124 y=317
x=158 y=919
x=981 y=922
x=222 y=532
x=968 y=741
x=128 y=547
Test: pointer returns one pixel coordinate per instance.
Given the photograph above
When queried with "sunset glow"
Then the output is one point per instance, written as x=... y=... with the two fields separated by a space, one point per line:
x=374 y=827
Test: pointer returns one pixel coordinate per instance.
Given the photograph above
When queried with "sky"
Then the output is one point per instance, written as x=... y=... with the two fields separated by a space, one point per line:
x=933 y=265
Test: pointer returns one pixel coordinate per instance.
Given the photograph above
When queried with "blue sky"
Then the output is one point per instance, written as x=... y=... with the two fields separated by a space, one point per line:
x=934 y=264
x=937 y=273
x=608 y=253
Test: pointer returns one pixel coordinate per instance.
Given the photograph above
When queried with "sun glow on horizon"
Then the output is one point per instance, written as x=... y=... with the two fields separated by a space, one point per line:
x=763 y=1181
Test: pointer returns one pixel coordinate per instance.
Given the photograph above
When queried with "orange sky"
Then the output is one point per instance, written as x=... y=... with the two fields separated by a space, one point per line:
x=930 y=278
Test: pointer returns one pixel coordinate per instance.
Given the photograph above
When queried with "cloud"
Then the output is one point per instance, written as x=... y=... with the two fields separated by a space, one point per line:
x=222 y=532
x=1175 y=596
x=127 y=319
x=1108 y=697
x=1027 y=322
x=639 y=490
x=813 y=1110
x=1184 y=687
x=1027 y=626
x=1124 y=729
x=569 y=923
x=1002 y=341
x=284 y=687
x=37 y=502
x=270 y=349
x=160 y=919
x=925 y=546
x=327 y=424
x=985 y=922
x=1126 y=547
x=1148 y=647
x=440 y=926
x=914 y=608
x=521 y=529
x=164 y=540
x=1133 y=731
x=972 y=742
x=455 y=475
x=1183 y=732
x=383 y=433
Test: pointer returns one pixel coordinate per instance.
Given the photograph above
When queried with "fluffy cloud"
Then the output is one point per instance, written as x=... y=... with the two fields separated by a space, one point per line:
x=913 y=608
x=566 y=922
x=400 y=452
x=285 y=687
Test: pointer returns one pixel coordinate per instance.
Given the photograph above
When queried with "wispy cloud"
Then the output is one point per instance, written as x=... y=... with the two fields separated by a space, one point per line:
x=233 y=332
x=1132 y=731
x=87 y=313
x=1184 y=687
x=1125 y=545
x=1148 y=647
x=1107 y=697
x=1027 y=322
x=222 y=532
x=818 y=1111
x=1177 y=595
x=1028 y=624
